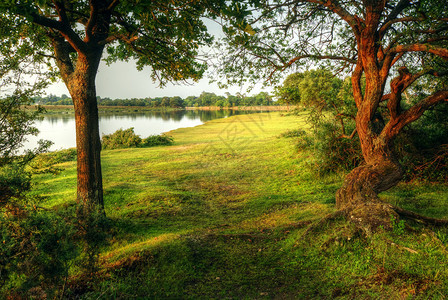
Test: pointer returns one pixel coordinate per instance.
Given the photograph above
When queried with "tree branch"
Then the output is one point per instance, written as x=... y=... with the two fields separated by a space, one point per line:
x=402 y=5
x=394 y=125
x=92 y=20
x=356 y=83
x=330 y=57
x=439 y=51
x=62 y=54
x=113 y=4
x=334 y=6
x=60 y=26
x=351 y=136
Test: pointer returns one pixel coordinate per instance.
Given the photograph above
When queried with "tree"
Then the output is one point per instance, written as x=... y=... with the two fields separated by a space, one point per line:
x=289 y=92
x=393 y=44
x=16 y=122
x=73 y=35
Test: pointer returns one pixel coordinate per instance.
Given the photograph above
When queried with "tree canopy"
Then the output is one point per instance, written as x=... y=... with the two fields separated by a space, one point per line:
x=164 y=35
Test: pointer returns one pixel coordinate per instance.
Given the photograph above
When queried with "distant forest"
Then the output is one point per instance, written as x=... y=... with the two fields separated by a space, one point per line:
x=205 y=99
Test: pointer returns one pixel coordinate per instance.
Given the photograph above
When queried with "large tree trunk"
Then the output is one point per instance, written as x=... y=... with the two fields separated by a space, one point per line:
x=358 y=196
x=82 y=89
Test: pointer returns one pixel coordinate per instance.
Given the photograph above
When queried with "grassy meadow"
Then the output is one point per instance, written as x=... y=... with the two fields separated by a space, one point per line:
x=223 y=213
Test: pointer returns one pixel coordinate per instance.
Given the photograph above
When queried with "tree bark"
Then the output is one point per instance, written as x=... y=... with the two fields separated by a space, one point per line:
x=81 y=85
x=358 y=196
x=79 y=72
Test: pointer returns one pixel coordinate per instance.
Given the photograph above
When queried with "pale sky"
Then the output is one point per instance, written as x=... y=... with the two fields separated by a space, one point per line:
x=122 y=80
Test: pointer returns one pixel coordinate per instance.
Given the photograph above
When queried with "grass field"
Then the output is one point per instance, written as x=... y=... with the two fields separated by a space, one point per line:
x=222 y=214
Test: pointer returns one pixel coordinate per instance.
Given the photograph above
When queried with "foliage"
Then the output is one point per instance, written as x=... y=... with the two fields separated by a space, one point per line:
x=330 y=115
x=289 y=91
x=14 y=181
x=332 y=153
x=398 y=226
x=16 y=122
x=168 y=41
x=128 y=139
x=157 y=140
x=312 y=88
x=38 y=248
x=121 y=139
x=330 y=103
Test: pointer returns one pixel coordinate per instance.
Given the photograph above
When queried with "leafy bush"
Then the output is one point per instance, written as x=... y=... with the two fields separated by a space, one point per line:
x=36 y=252
x=157 y=140
x=128 y=139
x=121 y=139
x=331 y=152
x=335 y=153
x=14 y=181
x=38 y=247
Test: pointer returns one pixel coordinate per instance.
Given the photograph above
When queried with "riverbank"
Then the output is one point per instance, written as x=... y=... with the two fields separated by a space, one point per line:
x=242 y=108
x=49 y=109
x=130 y=109
x=222 y=214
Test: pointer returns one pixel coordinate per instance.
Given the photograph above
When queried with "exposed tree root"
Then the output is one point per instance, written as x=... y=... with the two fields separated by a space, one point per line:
x=369 y=225
x=419 y=218
x=327 y=218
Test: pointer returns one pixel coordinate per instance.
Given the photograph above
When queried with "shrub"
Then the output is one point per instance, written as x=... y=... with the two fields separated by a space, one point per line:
x=38 y=247
x=121 y=139
x=128 y=139
x=14 y=181
x=157 y=140
x=331 y=152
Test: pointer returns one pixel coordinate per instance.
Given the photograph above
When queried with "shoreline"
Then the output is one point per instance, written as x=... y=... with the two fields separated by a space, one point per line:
x=70 y=108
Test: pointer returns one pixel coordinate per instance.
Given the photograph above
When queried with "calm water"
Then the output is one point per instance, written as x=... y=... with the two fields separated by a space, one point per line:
x=60 y=128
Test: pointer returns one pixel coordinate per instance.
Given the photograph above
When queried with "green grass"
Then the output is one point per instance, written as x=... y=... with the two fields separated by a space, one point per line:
x=221 y=214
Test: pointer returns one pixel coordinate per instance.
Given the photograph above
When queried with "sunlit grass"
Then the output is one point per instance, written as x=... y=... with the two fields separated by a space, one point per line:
x=221 y=214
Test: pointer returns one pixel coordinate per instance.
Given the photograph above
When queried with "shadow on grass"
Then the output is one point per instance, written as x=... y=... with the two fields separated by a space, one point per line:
x=214 y=266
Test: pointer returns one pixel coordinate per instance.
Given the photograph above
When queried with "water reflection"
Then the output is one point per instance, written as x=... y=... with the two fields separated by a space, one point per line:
x=60 y=128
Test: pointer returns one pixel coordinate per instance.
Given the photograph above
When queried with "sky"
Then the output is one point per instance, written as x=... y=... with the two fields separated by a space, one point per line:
x=122 y=80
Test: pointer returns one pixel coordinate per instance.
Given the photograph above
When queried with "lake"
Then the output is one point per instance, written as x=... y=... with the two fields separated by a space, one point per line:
x=60 y=127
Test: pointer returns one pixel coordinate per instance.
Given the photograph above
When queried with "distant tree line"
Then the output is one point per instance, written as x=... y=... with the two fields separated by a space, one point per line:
x=205 y=99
